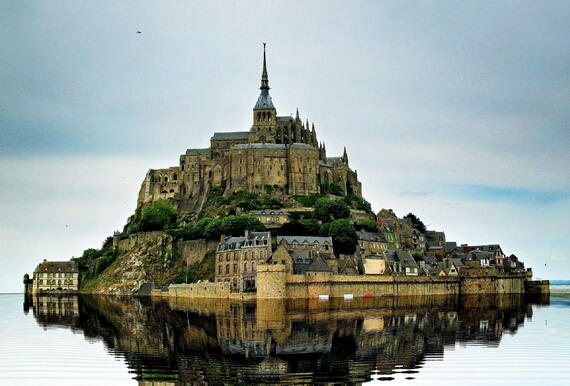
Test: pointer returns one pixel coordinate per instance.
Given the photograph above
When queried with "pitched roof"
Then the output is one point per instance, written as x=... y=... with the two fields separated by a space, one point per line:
x=269 y=212
x=369 y=236
x=450 y=246
x=56 y=266
x=284 y=119
x=197 y=151
x=242 y=146
x=301 y=239
x=231 y=135
x=406 y=259
x=318 y=265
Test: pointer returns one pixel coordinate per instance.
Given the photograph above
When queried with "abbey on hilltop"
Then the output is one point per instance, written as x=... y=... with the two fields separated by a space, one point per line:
x=279 y=154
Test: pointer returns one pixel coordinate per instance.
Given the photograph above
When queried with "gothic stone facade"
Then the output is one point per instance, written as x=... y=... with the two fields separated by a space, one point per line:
x=280 y=154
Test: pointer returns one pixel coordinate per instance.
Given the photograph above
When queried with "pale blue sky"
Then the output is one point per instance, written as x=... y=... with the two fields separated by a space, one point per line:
x=456 y=111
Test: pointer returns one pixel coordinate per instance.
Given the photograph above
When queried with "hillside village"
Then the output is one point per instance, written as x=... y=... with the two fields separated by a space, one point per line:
x=263 y=197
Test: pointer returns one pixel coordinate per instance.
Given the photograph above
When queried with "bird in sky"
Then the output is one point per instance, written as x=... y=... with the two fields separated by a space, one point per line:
x=139 y=32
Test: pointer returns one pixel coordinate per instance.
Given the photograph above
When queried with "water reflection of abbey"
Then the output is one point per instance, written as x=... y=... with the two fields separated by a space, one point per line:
x=306 y=341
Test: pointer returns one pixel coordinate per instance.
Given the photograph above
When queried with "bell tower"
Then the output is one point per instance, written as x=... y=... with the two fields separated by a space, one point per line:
x=264 y=113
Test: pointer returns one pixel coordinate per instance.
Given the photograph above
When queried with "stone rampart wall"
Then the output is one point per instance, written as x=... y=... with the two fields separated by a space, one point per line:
x=201 y=289
x=193 y=251
x=127 y=243
x=315 y=284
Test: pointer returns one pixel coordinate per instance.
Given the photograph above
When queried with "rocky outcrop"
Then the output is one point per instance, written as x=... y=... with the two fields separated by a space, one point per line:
x=158 y=259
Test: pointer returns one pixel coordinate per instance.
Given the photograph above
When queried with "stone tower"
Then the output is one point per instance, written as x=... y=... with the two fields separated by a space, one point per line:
x=264 y=113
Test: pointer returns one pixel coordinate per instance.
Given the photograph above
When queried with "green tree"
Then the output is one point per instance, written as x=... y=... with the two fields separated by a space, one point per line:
x=416 y=222
x=232 y=226
x=368 y=225
x=157 y=216
x=327 y=210
x=344 y=236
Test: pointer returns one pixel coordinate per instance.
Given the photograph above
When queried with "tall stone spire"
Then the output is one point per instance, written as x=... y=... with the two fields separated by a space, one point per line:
x=264 y=100
x=345 y=156
x=264 y=77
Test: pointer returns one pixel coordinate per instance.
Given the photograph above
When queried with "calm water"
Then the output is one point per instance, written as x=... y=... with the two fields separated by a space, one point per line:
x=443 y=340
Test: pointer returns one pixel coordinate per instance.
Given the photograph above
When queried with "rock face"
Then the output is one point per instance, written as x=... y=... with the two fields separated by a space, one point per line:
x=157 y=259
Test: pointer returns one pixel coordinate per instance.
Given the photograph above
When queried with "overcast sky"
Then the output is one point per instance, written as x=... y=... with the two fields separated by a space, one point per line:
x=456 y=111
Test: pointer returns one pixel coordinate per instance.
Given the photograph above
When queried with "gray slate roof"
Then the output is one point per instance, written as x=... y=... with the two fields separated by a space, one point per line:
x=269 y=212
x=318 y=265
x=197 y=151
x=370 y=236
x=231 y=135
x=301 y=239
x=284 y=119
x=264 y=101
x=56 y=266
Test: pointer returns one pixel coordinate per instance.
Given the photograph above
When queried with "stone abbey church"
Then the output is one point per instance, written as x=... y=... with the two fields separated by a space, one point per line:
x=279 y=154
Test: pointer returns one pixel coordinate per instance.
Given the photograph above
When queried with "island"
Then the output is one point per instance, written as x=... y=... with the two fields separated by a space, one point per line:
x=267 y=214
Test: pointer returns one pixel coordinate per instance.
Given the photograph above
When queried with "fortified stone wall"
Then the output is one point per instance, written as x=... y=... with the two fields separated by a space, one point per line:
x=201 y=289
x=135 y=240
x=193 y=251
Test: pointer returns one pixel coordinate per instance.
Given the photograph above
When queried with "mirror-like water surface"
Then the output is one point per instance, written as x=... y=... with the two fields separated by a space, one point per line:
x=96 y=340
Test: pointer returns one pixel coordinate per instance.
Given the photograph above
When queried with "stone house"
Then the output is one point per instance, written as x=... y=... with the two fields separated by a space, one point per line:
x=271 y=218
x=387 y=228
x=237 y=259
x=370 y=243
x=497 y=256
x=55 y=276
x=304 y=249
x=376 y=265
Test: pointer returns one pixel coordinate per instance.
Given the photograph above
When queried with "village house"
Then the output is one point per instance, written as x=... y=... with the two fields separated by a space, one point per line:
x=55 y=276
x=497 y=257
x=370 y=243
x=237 y=259
x=376 y=265
x=387 y=228
x=304 y=249
x=271 y=218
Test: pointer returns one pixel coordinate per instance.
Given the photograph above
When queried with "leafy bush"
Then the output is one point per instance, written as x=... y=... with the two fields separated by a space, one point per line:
x=312 y=227
x=332 y=188
x=368 y=225
x=362 y=204
x=327 y=210
x=157 y=216
x=416 y=222
x=231 y=226
x=344 y=236
x=271 y=203
x=308 y=201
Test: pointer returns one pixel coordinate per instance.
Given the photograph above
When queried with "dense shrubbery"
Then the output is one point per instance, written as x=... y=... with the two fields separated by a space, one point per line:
x=367 y=225
x=327 y=210
x=211 y=228
x=343 y=235
x=94 y=261
x=332 y=188
x=308 y=201
x=155 y=217
x=416 y=222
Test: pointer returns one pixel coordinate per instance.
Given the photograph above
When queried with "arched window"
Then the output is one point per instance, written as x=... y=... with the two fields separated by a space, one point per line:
x=165 y=179
x=174 y=177
x=220 y=269
x=245 y=267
